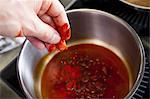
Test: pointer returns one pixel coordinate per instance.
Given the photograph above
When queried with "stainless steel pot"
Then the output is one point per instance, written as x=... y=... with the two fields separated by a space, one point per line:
x=93 y=24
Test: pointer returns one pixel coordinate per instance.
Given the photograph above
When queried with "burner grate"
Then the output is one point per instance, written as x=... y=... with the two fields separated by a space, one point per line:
x=137 y=19
x=144 y=88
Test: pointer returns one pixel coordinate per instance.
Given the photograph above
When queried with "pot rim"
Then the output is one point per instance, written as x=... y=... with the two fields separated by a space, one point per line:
x=133 y=33
x=135 y=5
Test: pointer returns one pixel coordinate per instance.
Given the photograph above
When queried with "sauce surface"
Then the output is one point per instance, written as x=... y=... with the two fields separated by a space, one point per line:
x=85 y=71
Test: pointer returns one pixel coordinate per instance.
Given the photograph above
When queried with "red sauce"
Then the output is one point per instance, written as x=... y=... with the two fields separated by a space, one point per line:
x=85 y=71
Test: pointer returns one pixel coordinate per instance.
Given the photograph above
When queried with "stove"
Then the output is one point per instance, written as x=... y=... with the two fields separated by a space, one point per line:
x=138 y=19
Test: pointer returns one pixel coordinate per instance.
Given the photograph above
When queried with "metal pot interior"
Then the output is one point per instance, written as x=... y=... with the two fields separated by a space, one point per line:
x=106 y=29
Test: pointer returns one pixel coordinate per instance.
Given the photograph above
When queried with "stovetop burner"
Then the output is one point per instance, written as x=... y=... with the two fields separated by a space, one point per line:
x=137 y=19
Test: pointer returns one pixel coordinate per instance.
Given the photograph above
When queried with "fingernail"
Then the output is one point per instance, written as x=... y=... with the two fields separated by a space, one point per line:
x=68 y=34
x=65 y=27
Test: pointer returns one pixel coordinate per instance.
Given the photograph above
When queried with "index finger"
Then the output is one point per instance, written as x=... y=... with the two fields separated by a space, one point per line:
x=58 y=14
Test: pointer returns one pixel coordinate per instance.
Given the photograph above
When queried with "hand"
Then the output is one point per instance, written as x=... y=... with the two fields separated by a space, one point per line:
x=38 y=20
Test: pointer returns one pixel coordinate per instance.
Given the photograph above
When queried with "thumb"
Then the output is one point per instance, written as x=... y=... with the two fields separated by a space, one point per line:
x=35 y=27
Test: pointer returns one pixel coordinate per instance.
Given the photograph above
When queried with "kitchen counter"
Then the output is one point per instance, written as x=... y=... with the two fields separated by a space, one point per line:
x=5 y=59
